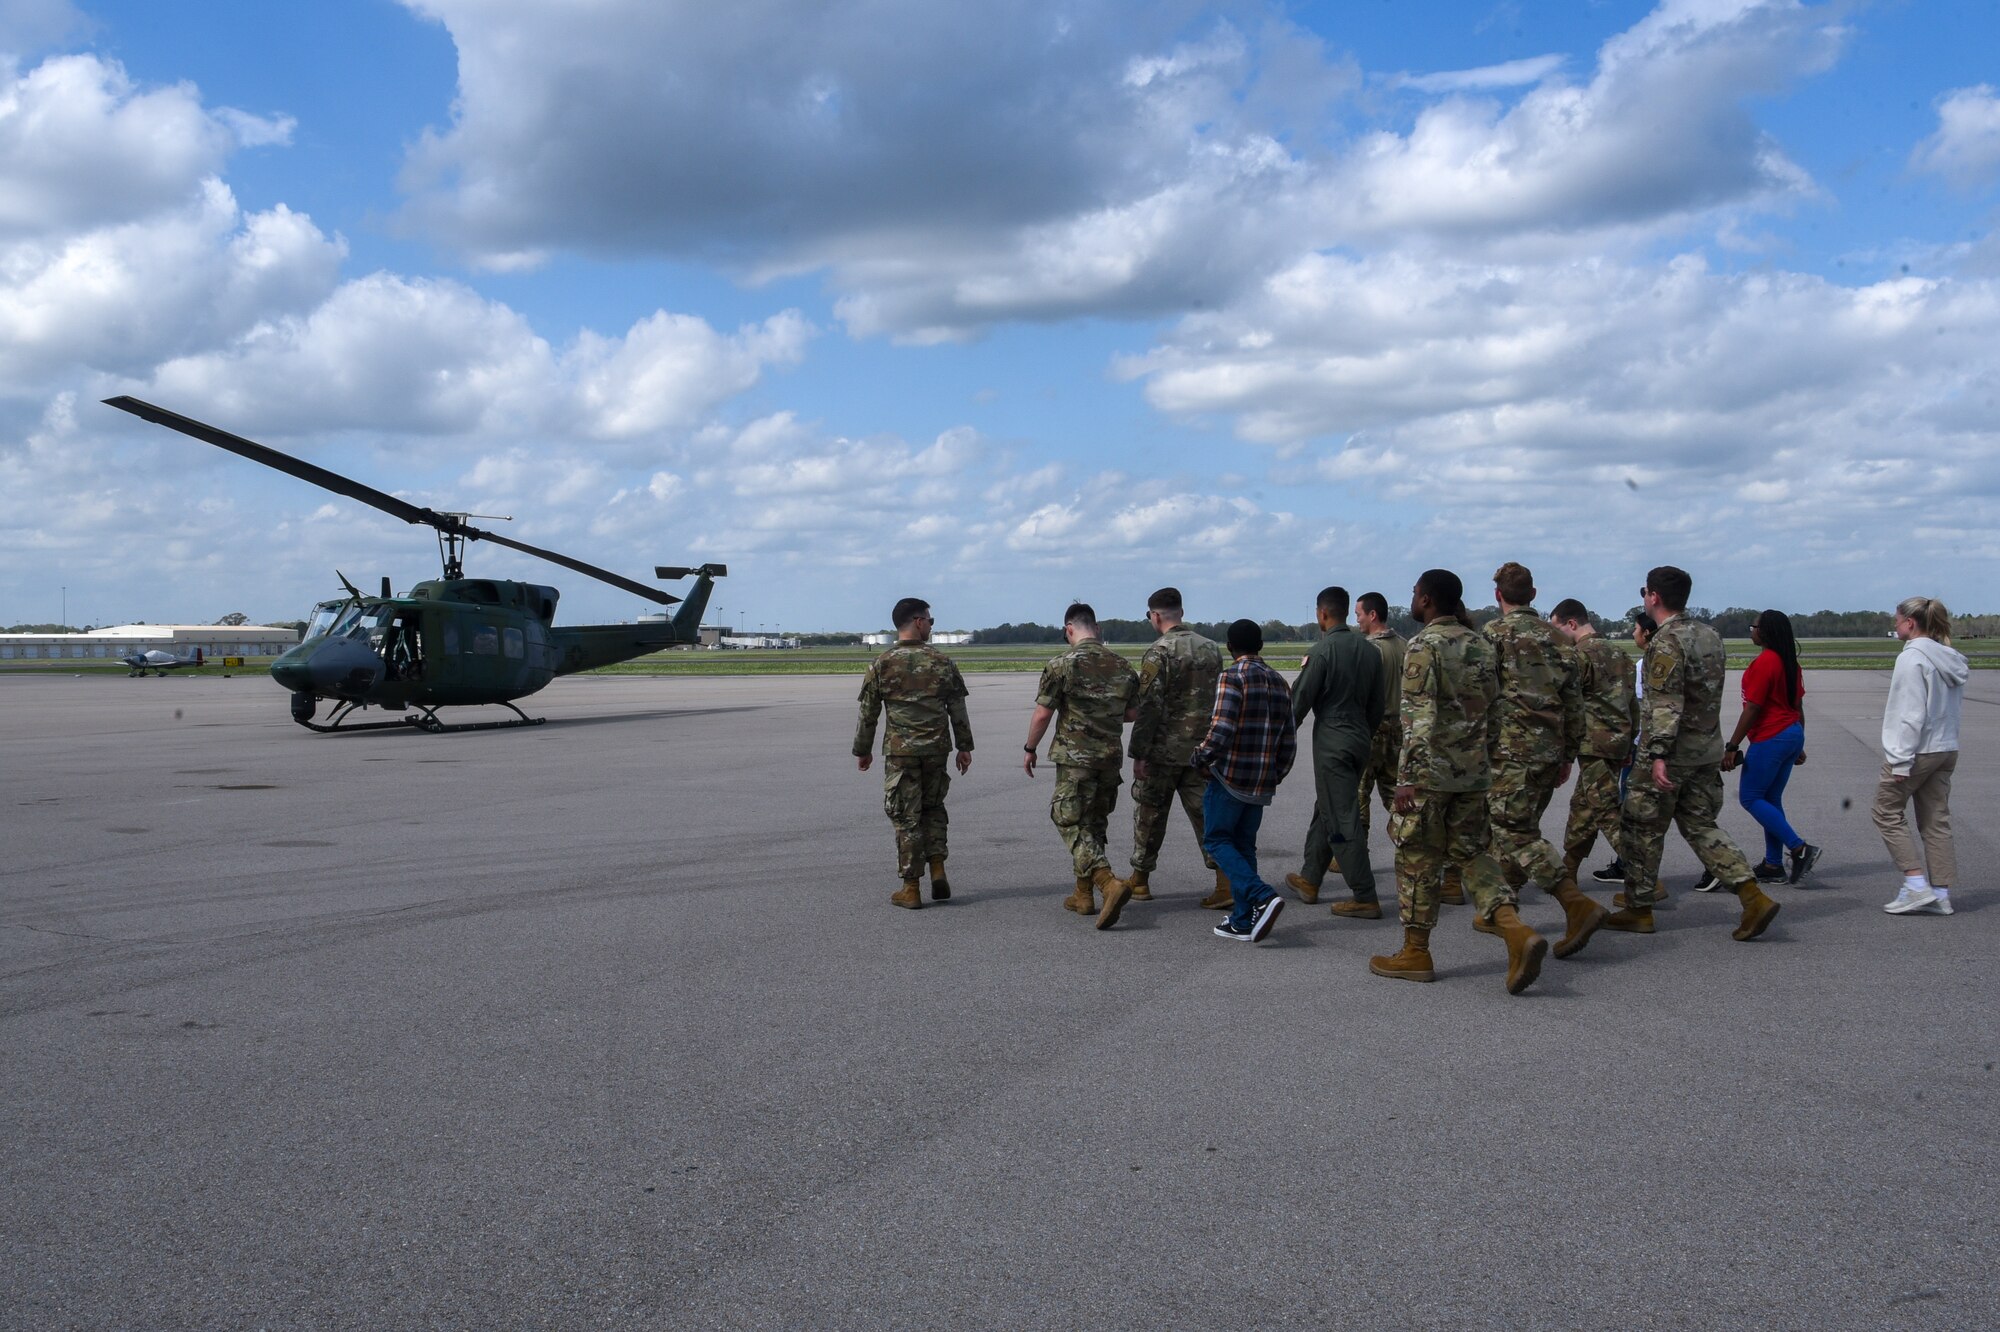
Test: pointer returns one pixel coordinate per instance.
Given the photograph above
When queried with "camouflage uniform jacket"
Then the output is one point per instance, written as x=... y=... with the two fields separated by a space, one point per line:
x=1604 y=679
x=1090 y=687
x=1393 y=647
x=925 y=697
x=1176 y=694
x=1449 y=684
x=1681 y=718
x=1538 y=718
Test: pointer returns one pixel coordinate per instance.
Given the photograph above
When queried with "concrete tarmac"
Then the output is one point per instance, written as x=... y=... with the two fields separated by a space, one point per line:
x=609 y=1023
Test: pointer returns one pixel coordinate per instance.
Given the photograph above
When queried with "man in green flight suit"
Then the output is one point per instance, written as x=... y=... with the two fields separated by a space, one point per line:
x=1532 y=732
x=1089 y=692
x=1442 y=776
x=1677 y=778
x=1176 y=695
x=1340 y=684
x=924 y=695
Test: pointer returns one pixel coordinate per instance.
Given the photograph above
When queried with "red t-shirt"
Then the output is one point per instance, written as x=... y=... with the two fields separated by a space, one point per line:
x=1764 y=685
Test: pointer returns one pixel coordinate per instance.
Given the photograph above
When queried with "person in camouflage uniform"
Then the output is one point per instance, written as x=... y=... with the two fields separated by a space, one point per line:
x=924 y=694
x=1450 y=684
x=1371 y=617
x=1176 y=694
x=1088 y=692
x=1677 y=779
x=1340 y=684
x=1604 y=683
x=1537 y=719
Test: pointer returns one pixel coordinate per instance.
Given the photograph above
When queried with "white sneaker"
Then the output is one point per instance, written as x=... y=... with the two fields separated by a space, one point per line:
x=1908 y=901
x=1940 y=905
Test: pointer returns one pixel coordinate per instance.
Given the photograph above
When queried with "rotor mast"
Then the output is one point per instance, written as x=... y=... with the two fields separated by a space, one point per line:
x=451 y=540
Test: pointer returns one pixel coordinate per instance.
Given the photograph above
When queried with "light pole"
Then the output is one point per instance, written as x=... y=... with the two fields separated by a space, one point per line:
x=65 y=622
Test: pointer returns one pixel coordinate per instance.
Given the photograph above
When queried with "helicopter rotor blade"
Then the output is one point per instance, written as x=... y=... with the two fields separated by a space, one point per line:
x=389 y=504
x=589 y=570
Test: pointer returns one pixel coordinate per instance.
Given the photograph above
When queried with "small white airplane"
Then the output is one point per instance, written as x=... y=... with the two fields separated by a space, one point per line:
x=158 y=662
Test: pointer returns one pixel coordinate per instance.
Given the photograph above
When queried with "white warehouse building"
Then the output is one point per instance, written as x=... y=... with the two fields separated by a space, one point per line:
x=214 y=640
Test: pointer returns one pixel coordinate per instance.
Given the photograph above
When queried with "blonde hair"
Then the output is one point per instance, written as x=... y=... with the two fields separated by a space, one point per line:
x=1930 y=616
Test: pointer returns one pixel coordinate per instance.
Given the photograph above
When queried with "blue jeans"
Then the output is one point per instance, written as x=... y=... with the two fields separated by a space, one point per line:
x=1229 y=835
x=1767 y=766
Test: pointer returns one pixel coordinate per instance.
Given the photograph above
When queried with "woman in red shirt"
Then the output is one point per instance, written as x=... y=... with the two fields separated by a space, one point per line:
x=1774 y=696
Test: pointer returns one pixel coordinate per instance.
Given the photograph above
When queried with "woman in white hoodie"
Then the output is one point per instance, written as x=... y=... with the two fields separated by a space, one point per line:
x=1920 y=750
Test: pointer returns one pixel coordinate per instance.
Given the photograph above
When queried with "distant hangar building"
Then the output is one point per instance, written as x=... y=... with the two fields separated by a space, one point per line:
x=214 y=640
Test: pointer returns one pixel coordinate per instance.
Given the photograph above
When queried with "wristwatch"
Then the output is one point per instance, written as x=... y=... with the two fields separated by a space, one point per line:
x=1027 y=749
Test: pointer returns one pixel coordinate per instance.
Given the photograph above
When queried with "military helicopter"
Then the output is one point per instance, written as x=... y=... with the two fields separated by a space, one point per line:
x=454 y=641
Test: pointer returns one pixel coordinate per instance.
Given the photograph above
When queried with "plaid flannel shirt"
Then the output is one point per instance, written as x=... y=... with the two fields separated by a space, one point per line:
x=1252 y=739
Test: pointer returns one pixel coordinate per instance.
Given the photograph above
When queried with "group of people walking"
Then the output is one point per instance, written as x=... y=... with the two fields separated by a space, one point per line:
x=1464 y=734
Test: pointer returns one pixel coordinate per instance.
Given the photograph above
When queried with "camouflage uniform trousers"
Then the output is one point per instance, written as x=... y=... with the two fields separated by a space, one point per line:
x=913 y=796
x=1692 y=805
x=1081 y=810
x=1593 y=809
x=1446 y=828
x=1153 y=807
x=1520 y=795
x=1379 y=777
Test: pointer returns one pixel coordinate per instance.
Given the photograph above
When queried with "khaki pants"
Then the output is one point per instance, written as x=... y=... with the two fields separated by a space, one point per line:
x=1929 y=784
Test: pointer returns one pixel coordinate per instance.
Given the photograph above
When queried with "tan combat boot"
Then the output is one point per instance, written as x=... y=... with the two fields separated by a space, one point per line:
x=1137 y=881
x=1222 y=899
x=1481 y=925
x=1307 y=890
x=1758 y=911
x=1413 y=963
x=1357 y=910
x=1453 y=891
x=1628 y=920
x=1582 y=916
x=940 y=886
x=1525 y=948
x=1082 y=901
x=1660 y=902
x=1116 y=892
x=910 y=895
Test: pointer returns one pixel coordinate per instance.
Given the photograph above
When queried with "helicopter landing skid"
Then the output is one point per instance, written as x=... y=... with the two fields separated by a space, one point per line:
x=427 y=722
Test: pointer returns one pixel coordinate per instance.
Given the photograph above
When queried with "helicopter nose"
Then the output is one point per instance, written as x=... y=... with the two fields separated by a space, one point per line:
x=342 y=668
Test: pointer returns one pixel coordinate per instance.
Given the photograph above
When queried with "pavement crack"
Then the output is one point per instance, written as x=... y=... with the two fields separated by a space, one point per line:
x=71 y=934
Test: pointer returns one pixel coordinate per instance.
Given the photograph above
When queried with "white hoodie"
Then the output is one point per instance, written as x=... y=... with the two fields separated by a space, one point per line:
x=1921 y=716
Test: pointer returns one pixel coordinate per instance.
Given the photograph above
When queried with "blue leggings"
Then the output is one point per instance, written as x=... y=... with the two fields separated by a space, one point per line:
x=1767 y=766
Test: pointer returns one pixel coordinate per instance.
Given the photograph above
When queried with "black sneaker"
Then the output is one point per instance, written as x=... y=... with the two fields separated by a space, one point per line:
x=1709 y=883
x=1803 y=857
x=1612 y=873
x=1266 y=916
x=1227 y=931
x=1769 y=873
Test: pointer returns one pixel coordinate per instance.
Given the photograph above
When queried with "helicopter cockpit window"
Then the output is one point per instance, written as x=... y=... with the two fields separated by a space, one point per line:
x=375 y=622
x=515 y=643
x=348 y=620
x=322 y=619
x=485 y=640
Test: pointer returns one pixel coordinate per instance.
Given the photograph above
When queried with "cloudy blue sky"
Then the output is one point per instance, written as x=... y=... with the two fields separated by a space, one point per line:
x=1004 y=304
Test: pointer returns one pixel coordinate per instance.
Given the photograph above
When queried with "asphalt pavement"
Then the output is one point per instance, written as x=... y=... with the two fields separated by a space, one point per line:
x=609 y=1023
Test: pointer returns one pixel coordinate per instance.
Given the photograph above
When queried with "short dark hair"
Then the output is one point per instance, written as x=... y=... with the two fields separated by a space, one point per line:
x=1166 y=599
x=1333 y=600
x=1374 y=603
x=1443 y=588
x=1572 y=610
x=1670 y=585
x=1080 y=613
x=1245 y=637
x=1646 y=622
x=1514 y=584
x=908 y=609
